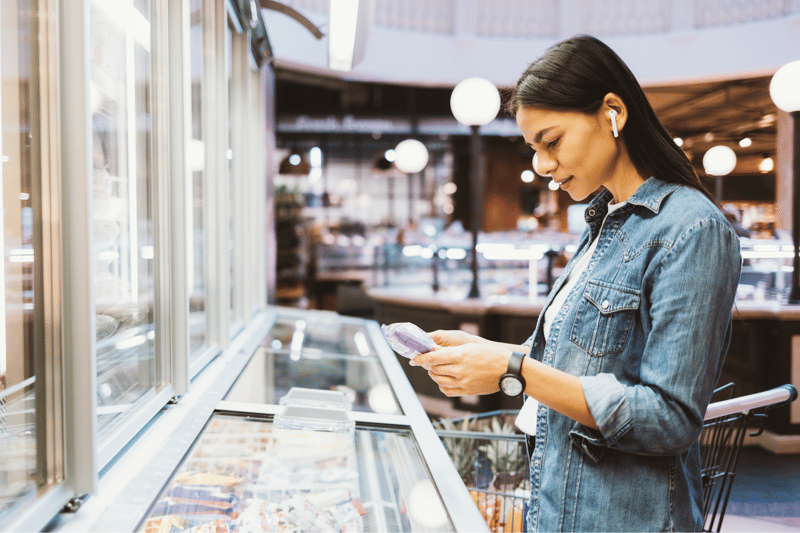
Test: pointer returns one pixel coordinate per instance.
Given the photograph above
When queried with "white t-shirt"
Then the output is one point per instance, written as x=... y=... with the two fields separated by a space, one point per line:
x=558 y=302
x=526 y=419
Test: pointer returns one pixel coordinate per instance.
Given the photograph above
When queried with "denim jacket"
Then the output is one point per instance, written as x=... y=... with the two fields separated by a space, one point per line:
x=646 y=328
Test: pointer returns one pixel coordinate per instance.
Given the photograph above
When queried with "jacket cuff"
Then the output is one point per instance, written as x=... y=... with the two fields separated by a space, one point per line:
x=609 y=406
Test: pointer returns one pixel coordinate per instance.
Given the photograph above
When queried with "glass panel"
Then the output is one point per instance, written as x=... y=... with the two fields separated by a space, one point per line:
x=18 y=170
x=123 y=224
x=246 y=475
x=319 y=333
x=231 y=209
x=143 y=7
x=197 y=288
x=269 y=375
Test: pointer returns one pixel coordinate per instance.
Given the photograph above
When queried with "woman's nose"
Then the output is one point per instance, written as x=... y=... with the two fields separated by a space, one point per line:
x=543 y=169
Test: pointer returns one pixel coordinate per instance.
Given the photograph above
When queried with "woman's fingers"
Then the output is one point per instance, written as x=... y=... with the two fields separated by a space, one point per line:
x=432 y=359
x=447 y=384
x=441 y=337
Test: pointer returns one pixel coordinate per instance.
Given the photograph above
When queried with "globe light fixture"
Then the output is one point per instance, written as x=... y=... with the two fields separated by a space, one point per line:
x=719 y=161
x=475 y=102
x=784 y=89
x=411 y=156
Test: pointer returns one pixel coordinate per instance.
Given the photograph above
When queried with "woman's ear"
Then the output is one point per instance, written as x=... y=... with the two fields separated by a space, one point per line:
x=612 y=102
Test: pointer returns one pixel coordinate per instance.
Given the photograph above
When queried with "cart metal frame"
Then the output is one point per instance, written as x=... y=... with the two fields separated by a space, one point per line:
x=727 y=422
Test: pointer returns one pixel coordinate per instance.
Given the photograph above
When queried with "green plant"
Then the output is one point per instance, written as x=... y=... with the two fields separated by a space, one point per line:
x=506 y=456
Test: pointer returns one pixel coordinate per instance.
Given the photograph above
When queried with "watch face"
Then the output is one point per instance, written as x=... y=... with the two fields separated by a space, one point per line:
x=511 y=385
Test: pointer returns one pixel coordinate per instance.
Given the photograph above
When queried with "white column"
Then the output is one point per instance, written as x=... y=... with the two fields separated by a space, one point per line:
x=241 y=115
x=80 y=374
x=178 y=258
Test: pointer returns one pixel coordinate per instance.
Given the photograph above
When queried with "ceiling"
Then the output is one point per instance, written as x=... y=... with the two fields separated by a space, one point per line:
x=702 y=114
x=722 y=112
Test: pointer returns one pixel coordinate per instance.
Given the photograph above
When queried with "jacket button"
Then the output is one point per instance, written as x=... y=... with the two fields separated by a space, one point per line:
x=605 y=304
x=591 y=212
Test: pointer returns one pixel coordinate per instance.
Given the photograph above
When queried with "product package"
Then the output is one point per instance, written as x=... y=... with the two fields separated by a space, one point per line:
x=407 y=339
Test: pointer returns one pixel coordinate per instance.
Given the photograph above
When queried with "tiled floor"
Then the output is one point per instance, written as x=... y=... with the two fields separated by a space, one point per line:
x=765 y=496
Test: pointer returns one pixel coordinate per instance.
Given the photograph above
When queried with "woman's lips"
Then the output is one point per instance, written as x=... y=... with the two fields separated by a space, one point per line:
x=563 y=182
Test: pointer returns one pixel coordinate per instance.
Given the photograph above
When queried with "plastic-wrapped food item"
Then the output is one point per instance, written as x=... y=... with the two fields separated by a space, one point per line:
x=206 y=493
x=335 y=512
x=203 y=478
x=304 y=430
x=165 y=524
x=407 y=339
x=181 y=506
x=217 y=526
x=327 y=399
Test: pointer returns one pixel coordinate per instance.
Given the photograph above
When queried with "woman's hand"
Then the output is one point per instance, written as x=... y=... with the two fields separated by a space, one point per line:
x=466 y=369
x=454 y=337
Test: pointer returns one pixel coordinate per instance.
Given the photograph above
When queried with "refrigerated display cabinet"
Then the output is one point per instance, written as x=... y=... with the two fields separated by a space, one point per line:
x=240 y=460
x=250 y=471
x=320 y=350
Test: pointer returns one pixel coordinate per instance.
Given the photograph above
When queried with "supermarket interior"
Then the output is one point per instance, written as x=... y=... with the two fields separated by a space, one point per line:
x=212 y=207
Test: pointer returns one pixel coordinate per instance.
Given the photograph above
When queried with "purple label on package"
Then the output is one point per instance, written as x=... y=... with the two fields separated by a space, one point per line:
x=407 y=339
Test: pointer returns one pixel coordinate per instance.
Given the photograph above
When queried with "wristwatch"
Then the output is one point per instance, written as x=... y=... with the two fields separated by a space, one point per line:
x=512 y=383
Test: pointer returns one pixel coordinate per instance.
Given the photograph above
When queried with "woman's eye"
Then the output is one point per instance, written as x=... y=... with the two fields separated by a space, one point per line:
x=552 y=143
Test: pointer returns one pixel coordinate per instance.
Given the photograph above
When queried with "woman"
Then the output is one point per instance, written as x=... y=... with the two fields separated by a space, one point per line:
x=625 y=356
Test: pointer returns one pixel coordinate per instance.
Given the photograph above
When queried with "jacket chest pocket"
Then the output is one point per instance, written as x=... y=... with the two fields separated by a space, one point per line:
x=604 y=318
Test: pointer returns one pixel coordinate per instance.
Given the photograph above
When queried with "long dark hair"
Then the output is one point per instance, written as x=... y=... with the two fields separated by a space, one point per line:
x=576 y=74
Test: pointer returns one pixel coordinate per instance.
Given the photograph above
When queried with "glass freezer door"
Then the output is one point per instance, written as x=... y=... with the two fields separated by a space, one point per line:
x=318 y=350
x=319 y=332
x=248 y=474
x=270 y=375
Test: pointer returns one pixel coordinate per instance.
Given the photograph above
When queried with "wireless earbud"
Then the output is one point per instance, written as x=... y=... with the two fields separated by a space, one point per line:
x=613 y=115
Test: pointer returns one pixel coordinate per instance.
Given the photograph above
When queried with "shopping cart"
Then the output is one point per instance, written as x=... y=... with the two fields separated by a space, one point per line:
x=491 y=457
x=726 y=423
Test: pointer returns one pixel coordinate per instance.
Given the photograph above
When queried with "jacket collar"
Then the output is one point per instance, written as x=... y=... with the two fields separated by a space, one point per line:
x=650 y=194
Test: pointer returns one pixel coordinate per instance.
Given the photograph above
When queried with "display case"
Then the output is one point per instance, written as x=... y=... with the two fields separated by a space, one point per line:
x=123 y=210
x=515 y=263
x=509 y=262
x=369 y=461
x=243 y=474
x=320 y=350
x=766 y=270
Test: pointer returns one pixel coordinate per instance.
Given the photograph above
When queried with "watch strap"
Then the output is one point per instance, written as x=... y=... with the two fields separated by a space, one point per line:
x=515 y=363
